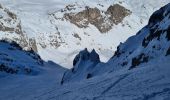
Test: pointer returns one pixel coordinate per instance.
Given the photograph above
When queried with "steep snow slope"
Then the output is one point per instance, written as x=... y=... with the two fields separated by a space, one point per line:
x=55 y=38
x=149 y=82
x=14 y=60
x=23 y=73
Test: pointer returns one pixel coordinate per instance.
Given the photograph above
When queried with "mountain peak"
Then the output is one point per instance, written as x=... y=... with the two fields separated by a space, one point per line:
x=85 y=55
x=94 y=56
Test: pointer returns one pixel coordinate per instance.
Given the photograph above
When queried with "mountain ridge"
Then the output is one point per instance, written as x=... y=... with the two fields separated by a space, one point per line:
x=42 y=26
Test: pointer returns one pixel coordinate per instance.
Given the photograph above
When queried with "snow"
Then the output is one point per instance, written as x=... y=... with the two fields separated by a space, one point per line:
x=21 y=84
x=21 y=87
x=147 y=81
x=38 y=24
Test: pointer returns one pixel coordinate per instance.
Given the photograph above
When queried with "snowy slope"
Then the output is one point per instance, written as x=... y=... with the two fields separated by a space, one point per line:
x=14 y=60
x=24 y=73
x=59 y=40
x=139 y=70
x=150 y=82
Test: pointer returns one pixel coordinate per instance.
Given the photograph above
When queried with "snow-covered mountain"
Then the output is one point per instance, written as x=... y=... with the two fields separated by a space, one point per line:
x=59 y=29
x=139 y=69
x=149 y=44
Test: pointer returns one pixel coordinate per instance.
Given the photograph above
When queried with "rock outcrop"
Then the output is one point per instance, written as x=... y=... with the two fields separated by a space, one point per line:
x=114 y=15
x=11 y=30
x=83 y=64
x=117 y=13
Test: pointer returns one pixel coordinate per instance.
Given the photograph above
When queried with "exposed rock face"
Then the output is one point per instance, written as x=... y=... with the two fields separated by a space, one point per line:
x=83 y=18
x=168 y=52
x=142 y=58
x=77 y=36
x=117 y=13
x=6 y=22
x=68 y=8
x=33 y=45
x=10 y=14
x=54 y=39
x=10 y=26
x=114 y=15
x=155 y=32
x=83 y=64
x=82 y=56
x=85 y=56
x=1 y=6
